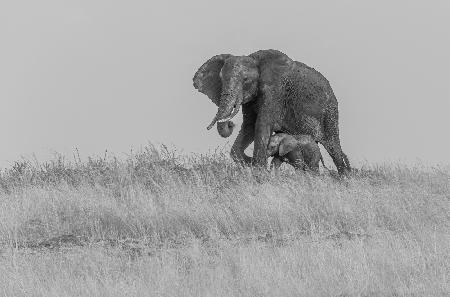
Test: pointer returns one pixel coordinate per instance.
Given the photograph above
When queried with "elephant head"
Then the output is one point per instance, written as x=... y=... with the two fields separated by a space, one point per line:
x=281 y=144
x=229 y=81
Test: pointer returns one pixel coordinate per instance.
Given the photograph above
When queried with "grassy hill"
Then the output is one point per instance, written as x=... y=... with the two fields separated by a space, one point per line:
x=156 y=224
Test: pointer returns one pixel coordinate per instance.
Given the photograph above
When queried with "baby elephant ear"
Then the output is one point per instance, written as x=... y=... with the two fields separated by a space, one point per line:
x=287 y=145
x=207 y=79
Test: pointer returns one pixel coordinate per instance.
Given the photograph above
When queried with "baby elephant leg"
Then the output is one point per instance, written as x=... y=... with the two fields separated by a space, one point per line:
x=299 y=164
x=314 y=157
x=314 y=167
x=276 y=163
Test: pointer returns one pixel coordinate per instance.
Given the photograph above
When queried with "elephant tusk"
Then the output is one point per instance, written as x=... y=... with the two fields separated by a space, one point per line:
x=217 y=121
x=224 y=120
x=233 y=113
x=211 y=125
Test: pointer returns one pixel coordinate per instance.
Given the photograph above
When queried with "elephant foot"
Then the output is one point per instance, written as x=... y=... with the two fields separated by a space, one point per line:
x=345 y=172
x=241 y=159
x=246 y=161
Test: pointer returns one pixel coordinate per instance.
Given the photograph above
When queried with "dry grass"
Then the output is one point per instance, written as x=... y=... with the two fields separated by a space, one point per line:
x=160 y=225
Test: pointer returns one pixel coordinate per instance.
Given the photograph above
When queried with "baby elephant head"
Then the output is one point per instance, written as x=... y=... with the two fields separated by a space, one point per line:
x=281 y=144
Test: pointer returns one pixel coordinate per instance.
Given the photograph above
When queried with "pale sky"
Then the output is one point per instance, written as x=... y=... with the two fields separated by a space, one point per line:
x=116 y=75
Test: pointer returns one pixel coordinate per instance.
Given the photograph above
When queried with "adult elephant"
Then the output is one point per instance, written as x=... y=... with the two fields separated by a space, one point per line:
x=276 y=94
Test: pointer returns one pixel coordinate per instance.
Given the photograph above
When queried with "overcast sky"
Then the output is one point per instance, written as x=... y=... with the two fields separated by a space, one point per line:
x=115 y=75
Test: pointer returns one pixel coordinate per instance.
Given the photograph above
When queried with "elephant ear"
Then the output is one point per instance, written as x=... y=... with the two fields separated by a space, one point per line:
x=207 y=79
x=287 y=145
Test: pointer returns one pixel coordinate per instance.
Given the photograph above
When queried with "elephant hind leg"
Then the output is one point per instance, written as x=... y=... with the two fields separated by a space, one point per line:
x=331 y=140
x=340 y=159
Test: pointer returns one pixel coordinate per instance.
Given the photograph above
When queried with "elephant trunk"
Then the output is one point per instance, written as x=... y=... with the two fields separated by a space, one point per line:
x=225 y=129
x=228 y=108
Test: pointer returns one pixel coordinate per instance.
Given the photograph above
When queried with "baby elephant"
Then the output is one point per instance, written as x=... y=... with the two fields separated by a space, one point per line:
x=301 y=151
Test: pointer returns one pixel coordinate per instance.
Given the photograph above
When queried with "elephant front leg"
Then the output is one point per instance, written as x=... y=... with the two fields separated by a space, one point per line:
x=244 y=139
x=262 y=136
